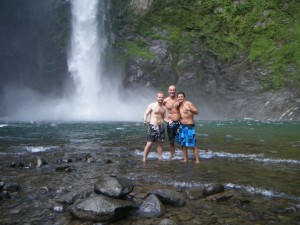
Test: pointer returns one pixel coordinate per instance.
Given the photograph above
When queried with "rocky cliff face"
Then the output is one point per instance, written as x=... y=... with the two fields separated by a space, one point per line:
x=33 y=40
x=231 y=88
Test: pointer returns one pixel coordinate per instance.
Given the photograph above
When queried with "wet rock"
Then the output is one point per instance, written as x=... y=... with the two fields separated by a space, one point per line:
x=213 y=189
x=220 y=197
x=84 y=157
x=12 y=187
x=167 y=222
x=108 y=161
x=14 y=211
x=113 y=186
x=4 y=195
x=151 y=207
x=194 y=193
x=60 y=161
x=58 y=208
x=243 y=202
x=37 y=162
x=256 y=216
x=66 y=168
x=170 y=197
x=91 y=160
x=71 y=197
x=100 y=209
x=17 y=165
x=287 y=211
x=1 y=185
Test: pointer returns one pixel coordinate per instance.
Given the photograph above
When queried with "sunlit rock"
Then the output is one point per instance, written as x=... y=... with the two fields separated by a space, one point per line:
x=113 y=187
x=151 y=207
x=100 y=209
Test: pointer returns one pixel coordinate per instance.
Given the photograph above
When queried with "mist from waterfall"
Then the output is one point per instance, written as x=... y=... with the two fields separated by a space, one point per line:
x=96 y=93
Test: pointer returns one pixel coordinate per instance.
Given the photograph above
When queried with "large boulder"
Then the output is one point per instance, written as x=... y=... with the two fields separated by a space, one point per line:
x=100 y=209
x=113 y=187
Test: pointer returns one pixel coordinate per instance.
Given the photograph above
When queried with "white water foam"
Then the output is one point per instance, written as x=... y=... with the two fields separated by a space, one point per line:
x=208 y=154
x=256 y=157
x=261 y=191
x=3 y=125
x=40 y=148
x=286 y=161
x=246 y=188
x=165 y=155
x=211 y=154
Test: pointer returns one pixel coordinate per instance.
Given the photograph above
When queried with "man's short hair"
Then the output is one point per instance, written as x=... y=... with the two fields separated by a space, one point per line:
x=181 y=93
x=172 y=86
x=160 y=92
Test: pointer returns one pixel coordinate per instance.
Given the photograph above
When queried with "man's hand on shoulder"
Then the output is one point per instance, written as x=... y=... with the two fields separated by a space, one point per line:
x=165 y=101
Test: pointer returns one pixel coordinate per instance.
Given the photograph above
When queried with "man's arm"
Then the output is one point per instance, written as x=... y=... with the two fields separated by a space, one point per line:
x=192 y=108
x=165 y=118
x=165 y=101
x=148 y=110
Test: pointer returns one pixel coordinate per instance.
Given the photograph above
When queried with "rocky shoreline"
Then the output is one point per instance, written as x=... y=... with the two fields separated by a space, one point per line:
x=95 y=188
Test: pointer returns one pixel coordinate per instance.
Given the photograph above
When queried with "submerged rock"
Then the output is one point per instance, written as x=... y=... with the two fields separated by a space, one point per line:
x=167 y=222
x=66 y=168
x=170 y=197
x=194 y=193
x=214 y=189
x=4 y=195
x=17 y=165
x=219 y=197
x=12 y=187
x=37 y=162
x=71 y=197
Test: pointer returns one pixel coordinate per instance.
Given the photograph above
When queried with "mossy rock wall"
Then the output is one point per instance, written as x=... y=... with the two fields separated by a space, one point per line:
x=230 y=53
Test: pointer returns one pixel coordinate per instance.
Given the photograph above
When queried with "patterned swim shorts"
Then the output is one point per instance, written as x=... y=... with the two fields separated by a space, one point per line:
x=156 y=133
x=172 y=130
x=186 y=135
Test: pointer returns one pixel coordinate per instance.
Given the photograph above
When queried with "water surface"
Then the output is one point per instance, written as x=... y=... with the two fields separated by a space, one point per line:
x=258 y=157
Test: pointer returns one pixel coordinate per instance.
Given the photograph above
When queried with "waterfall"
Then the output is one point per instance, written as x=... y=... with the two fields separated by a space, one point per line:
x=88 y=44
x=98 y=93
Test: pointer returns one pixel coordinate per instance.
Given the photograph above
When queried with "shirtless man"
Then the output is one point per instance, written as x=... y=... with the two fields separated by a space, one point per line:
x=156 y=129
x=186 y=137
x=172 y=106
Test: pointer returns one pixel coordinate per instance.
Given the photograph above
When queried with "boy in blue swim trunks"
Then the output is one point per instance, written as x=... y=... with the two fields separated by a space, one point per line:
x=186 y=133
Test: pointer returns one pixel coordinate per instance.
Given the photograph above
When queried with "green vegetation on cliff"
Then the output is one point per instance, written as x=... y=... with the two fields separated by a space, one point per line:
x=265 y=32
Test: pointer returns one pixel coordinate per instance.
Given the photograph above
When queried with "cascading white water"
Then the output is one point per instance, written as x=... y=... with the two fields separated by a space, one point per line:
x=87 y=47
x=96 y=95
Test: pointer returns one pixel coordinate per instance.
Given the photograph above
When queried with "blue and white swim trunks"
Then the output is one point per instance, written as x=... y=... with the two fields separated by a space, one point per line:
x=186 y=135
